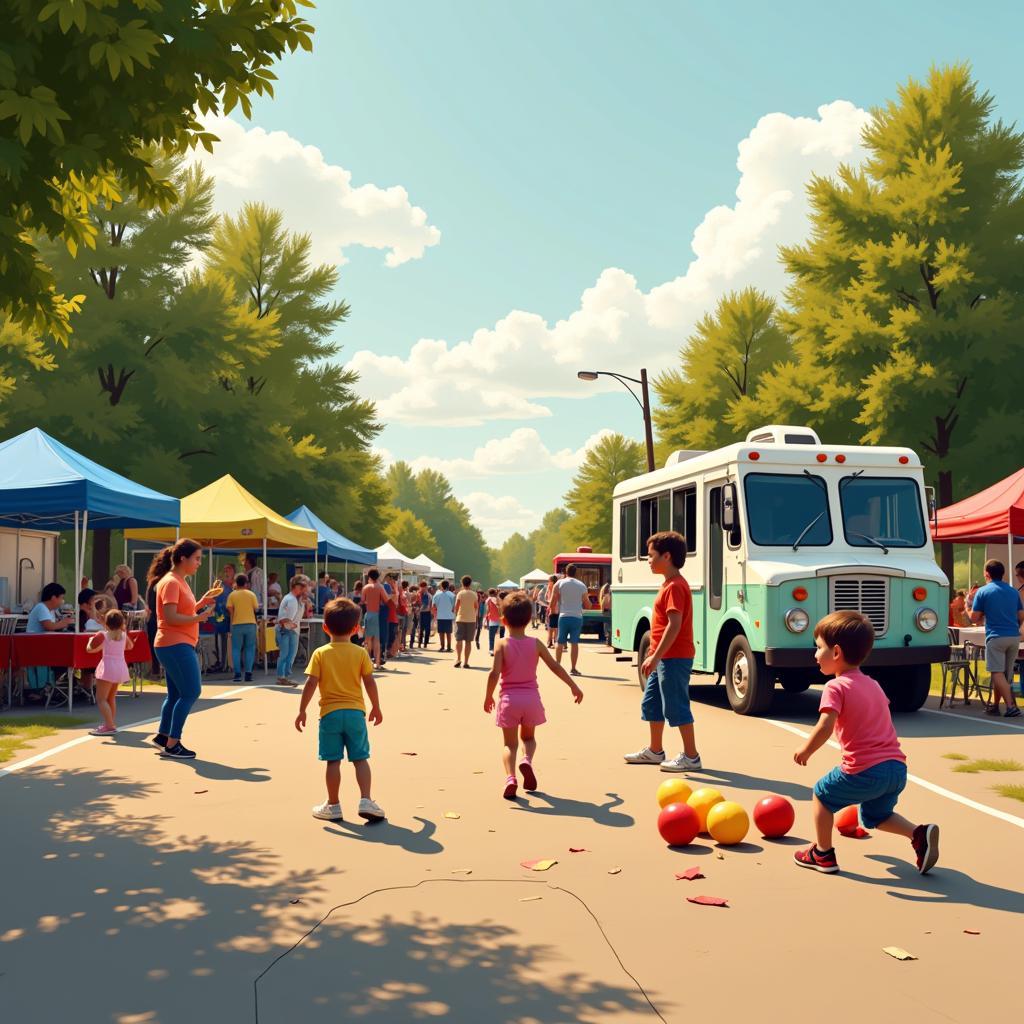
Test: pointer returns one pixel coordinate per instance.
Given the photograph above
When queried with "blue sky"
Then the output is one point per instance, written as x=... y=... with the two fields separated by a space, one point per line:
x=549 y=142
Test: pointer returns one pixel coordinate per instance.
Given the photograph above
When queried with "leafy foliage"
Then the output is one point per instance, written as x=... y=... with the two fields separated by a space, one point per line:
x=89 y=91
x=589 y=502
x=514 y=558
x=410 y=534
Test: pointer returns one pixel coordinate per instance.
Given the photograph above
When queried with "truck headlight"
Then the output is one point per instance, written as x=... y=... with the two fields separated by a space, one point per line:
x=926 y=620
x=797 y=620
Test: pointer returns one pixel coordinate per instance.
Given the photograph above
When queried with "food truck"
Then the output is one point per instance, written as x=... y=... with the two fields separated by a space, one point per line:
x=595 y=571
x=779 y=531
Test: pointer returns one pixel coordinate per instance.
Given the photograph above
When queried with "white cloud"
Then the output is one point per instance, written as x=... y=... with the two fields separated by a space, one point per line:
x=318 y=198
x=502 y=372
x=498 y=518
x=520 y=452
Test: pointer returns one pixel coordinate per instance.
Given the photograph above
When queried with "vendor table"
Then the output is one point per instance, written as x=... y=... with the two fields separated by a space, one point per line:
x=64 y=650
x=970 y=635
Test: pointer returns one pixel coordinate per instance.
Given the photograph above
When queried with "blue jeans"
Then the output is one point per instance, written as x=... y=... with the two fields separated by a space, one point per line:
x=181 y=674
x=426 y=621
x=667 y=693
x=243 y=647
x=876 y=789
x=492 y=632
x=287 y=648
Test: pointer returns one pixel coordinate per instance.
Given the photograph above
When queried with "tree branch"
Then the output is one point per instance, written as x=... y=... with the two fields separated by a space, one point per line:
x=152 y=345
x=195 y=451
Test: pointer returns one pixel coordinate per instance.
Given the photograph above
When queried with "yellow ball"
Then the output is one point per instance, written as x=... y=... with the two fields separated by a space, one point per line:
x=727 y=823
x=702 y=800
x=673 y=791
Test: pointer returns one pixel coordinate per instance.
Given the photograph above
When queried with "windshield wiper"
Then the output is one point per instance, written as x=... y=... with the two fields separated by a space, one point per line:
x=871 y=540
x=807 y=529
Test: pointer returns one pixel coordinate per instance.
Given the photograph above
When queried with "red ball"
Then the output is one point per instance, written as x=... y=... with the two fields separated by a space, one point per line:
x=848 y=823
x=774 y=816
x=678 y=824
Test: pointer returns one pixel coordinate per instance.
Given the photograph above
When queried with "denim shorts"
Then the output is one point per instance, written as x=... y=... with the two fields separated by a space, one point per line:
x=569 y=629
x=444 y=626
x=371 y=624
x=341 y=732
x=667 y=693
x=876 y=790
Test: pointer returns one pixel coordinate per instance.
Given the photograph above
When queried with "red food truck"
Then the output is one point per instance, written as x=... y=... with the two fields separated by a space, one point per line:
x=595 y=571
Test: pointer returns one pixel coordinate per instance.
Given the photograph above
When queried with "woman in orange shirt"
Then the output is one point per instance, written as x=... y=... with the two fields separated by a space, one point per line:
x=178 y=616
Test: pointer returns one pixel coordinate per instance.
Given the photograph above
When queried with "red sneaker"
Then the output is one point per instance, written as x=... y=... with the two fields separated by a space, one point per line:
x=511 y=787
x=812 y=857
x=926 y=846
x=529 y=779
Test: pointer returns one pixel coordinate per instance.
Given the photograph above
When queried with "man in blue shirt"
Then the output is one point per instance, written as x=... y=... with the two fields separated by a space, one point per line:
x=443 y=603
x=1000 y=606
x=323 y=592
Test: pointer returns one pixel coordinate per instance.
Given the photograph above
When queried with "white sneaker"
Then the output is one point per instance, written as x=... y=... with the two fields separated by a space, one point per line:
x=682 y=763
x=329 y=812
x=371 y=810
x=645 y=756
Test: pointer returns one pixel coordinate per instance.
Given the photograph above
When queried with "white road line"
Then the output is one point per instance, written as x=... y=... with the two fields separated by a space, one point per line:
x=974 y=718
x=993 y=812
x=79 y=740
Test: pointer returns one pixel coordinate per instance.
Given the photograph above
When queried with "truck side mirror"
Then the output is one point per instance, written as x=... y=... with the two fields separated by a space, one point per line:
x=729 y=518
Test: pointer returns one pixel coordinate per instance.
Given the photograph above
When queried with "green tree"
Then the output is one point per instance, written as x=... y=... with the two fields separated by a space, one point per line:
x=551 y=538
x=86 y=88
x=410 y=534
x=589 y=502
x=908 y=296
x=514 y=558
x=721 y=363
x=402 y=482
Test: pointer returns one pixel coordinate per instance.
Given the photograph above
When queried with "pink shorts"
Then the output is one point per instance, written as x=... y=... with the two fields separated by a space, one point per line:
x=519 y=707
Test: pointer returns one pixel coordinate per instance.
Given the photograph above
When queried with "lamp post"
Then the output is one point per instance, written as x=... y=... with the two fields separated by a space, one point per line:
x=644 y=403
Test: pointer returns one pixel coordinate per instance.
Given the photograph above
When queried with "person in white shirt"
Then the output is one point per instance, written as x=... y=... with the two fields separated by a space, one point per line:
x=289 y=620
x=571 y=595
x=255 y=574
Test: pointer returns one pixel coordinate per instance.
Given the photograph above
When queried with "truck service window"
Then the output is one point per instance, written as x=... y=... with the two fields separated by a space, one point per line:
x=882 y=511
x=627 y=530
x=787 y=509
x=684 y=515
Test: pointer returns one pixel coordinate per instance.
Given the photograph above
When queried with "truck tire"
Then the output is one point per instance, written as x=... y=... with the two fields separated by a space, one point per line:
x=796 y=681
x=641 y=657
x=907 y=688
x=748 y=683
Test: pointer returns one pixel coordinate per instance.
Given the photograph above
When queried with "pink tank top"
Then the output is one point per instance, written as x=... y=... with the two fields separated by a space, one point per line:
x=519 y=663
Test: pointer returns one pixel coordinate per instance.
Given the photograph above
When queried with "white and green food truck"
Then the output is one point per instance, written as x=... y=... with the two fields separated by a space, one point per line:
x=781 y=530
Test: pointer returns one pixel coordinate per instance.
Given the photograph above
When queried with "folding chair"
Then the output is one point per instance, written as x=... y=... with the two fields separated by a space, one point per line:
x=961 y=670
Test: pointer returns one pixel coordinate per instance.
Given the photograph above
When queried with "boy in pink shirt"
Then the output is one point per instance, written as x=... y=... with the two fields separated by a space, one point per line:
x=874 y=768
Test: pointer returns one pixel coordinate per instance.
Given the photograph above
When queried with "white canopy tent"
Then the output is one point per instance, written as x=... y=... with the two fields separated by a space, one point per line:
x=535 y=577
x=391 y=559
x=435 y=571
x=508 y=585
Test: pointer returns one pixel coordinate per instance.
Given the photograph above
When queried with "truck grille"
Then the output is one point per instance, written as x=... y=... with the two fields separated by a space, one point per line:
x=867 y=595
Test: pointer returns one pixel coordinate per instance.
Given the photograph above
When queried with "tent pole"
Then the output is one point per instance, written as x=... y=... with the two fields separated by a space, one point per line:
x=346 y=577
x=266 y=609
x=1009 y=554
x=316 y=578
x=17 y=578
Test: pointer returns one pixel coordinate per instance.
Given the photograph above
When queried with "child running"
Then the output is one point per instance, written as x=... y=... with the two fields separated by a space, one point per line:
x=520 y=710
x=340 y=670
x=874 y=768
x=112 y=670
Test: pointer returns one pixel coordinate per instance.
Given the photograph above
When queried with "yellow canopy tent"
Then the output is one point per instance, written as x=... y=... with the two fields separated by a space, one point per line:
x=225 y=515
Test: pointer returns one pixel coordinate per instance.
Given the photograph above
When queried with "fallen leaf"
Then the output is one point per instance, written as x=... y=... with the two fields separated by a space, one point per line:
x=578 y=849
x=615 y=871
x=478 y=773
x=296 y=900
x=708 y=901
x=898 y=954
x=409 y=753
x=971 y=931
x=719 y=856
x=452 y=815
x=529 y=899
x=198 y=791
x=492 y=830
x=461 y=871
x=689 y=875
x=538 y=865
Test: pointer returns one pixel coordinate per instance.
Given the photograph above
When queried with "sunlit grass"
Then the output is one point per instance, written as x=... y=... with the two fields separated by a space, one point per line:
x=956 y=757
x=19 y=732
x=1013 y=792
x=989 y=764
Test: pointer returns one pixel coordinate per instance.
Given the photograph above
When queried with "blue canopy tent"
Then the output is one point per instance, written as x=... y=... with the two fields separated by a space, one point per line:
x=45 y=485
x=331 y=544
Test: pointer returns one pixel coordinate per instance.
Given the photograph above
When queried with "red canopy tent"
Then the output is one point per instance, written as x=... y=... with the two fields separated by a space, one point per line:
x=992 y=516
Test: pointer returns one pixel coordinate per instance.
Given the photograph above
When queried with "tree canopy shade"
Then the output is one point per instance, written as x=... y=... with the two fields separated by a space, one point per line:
x=907 y=300
x=86 y=86
x=613 y=459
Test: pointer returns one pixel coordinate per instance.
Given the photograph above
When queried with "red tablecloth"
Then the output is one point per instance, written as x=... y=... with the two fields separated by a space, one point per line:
x=67 y=650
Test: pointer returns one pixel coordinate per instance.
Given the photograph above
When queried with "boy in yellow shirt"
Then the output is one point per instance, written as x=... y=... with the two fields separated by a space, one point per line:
x=340 y=670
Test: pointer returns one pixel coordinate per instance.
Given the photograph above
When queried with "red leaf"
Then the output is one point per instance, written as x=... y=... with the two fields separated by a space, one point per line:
x=578 y=849
x=708 y=901
x=689 y=875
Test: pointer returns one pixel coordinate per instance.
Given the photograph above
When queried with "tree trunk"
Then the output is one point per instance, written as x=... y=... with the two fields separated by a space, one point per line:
x=100 y=558
x=945 y=497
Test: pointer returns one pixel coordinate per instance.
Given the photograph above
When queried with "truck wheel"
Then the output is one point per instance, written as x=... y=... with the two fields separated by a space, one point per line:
x=748 y=683
x=641 y=657
x=907 y=688
x=796 y=682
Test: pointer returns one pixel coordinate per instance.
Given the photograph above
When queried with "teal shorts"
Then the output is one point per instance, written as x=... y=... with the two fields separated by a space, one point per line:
x=343 y=733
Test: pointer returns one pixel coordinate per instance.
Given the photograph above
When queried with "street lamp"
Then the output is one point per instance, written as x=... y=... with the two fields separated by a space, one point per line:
x=645 y=403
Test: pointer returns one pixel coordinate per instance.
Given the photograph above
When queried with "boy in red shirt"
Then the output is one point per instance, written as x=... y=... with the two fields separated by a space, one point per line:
x=874 y=768
x=669 y=659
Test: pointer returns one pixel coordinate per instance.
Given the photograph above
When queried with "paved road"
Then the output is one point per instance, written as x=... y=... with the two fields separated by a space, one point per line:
x=135 y=890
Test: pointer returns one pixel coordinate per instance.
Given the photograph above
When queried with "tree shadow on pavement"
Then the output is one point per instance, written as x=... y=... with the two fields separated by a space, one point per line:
x=942 y=885
x=188 y=919
x=387 y=833
x=566 y=807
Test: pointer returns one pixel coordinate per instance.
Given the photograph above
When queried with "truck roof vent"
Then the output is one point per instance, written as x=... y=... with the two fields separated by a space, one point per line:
x=681 y=456
x=776 y=433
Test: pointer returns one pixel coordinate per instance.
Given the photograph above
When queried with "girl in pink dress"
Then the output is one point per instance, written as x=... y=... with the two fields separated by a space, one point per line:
x=520 y=710
x=112 y=670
